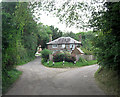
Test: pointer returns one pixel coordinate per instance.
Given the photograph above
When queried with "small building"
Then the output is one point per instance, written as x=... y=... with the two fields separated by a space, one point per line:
x=39 y=49
x=77 y=52
x=63 y=44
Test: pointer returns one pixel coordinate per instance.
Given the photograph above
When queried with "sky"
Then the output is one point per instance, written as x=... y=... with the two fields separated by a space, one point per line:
x=52 y=20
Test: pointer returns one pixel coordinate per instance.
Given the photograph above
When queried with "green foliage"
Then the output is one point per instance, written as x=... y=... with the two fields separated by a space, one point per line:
x=59 y=57
x=9 y=79
x=19 y=43
x=87 y=51
x=68 y=12
x=106 y=44
x=19 y=37
x=43 y=35
x=87 y=38
x=108 y=80
x=107 y=50
x=70 y=34
x=43 y=61
x=45 y=54
x=56 y=33
x=70 y=58
x=82 y=60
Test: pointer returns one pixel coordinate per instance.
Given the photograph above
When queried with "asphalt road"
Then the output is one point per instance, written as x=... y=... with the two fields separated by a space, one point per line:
x=40 y=80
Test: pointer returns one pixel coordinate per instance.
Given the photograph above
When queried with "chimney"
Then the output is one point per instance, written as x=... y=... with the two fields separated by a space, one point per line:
x=80 y=38
x=50 y=38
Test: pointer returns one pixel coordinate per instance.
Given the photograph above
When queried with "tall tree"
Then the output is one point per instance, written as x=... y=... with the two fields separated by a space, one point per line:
x=56 y=33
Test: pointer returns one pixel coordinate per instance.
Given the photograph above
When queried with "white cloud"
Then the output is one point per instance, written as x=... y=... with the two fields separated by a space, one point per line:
x=51 y=20
x=48 y=19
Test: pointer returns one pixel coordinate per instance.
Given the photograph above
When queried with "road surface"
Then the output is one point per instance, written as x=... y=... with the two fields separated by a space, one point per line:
x=40 y=80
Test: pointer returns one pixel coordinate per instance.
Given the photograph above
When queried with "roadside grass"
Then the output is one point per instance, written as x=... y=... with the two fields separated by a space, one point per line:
x=108 y=81
x=25 y=61
x=7 y=81
x=11 y=75
x=69 y=64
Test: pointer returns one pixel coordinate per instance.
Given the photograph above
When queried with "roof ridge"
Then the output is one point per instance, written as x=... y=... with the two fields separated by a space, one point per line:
x=62 y=39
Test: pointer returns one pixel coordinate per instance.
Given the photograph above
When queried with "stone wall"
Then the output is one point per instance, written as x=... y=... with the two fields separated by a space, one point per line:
x=86 y=57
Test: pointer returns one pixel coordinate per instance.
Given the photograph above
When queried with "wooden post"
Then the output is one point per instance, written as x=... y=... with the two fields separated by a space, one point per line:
x=53 y=63
x=63 y=62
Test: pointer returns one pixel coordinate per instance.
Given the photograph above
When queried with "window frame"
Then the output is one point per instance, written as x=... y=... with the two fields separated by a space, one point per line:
x=53 y=46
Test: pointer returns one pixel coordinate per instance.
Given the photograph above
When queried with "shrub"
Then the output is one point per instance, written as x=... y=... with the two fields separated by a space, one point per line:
x=82 y=60
x=45 y=54
x=58 y=57
x=69 y=58
x=43 y=60
x=87 y=51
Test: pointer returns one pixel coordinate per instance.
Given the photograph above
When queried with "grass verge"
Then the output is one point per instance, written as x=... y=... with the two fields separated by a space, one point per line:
x=8 y=80
x=25 y=61
x=69 y=64
x=108 y=81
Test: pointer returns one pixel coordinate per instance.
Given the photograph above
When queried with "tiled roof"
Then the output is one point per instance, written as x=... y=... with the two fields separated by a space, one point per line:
x=64 y=40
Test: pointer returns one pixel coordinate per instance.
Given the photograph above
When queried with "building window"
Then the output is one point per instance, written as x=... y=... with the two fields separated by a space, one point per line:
x=63 y=45
x=54 y=46
x=72 y=46
x=67 y=46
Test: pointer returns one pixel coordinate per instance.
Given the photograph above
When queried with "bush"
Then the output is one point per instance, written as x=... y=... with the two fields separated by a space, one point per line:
x=58 y=57
x=43 y=61
x=87 y=51
x=69 y=58
x=45 y=54
x=82 y=60
x=8 y=78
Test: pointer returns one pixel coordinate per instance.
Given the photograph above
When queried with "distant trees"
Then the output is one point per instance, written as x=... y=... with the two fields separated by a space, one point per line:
x=87 y=42
x=56 y=33
x=70 y=34
x=43 y=35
